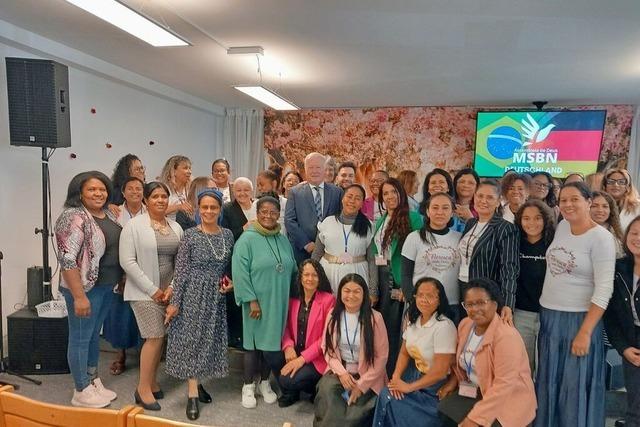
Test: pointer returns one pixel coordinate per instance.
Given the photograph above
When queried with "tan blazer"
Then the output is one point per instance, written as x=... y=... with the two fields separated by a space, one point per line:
x=374 y=376
x=502 y=367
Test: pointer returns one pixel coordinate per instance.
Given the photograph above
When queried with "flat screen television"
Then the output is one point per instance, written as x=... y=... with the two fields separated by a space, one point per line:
x=560 y=142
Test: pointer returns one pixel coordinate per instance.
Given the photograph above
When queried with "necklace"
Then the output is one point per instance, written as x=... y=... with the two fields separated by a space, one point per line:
x=160 y=227
x=219 y=256
x=279 y=265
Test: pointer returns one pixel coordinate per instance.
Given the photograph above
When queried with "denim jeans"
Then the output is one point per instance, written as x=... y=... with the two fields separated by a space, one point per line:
x=84 y=333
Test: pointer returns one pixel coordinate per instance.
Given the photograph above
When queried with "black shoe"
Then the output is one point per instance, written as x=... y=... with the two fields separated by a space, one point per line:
x=203 y=396
x=288 y=399
x=193 y=411
x=620 y=423
x=158 y=394
x=154 y=406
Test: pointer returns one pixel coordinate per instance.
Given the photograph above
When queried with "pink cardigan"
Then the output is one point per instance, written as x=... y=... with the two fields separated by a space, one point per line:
x=322 y=304
x=374 y=376
x=503 y=371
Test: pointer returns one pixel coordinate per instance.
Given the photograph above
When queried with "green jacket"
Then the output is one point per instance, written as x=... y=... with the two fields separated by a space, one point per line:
x=415 y=222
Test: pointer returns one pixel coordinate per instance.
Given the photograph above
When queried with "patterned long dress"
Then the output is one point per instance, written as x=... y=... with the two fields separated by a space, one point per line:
x=197 y=342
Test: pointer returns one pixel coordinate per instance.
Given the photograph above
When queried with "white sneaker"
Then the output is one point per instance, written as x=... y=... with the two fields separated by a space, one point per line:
x=249 y=396
x=102 y=390
x=264 y=388
x=89 y=398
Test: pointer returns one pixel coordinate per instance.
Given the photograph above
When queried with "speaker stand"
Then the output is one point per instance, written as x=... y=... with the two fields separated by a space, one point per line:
x=3 y=365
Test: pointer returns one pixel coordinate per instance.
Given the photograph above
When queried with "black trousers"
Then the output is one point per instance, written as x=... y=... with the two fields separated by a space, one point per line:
x=305 y=379
x=632 y=383
x=454 y=408
x=391 y=311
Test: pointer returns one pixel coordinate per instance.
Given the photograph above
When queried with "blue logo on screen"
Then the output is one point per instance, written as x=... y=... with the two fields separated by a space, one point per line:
x=503 y=141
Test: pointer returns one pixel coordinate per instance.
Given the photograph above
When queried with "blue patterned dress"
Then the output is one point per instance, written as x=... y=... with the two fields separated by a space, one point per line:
x=197 y=343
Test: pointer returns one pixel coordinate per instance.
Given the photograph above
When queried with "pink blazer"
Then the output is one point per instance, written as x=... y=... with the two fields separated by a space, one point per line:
x=368 y=207
x=322 y=304
x=503 y=372
x=374 y=376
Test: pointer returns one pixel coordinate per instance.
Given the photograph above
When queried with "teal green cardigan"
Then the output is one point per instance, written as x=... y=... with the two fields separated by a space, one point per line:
x=415 y=222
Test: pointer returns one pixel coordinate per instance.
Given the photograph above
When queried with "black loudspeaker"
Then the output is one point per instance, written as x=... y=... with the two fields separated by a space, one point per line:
x=37 y=345
x=35 y=286
x=38 y=94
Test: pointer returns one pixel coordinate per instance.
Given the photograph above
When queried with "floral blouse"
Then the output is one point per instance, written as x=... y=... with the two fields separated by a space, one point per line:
x=80 y=244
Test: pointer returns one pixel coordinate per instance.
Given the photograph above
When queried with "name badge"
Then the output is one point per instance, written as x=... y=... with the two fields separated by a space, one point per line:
x=467 y=389
x=381 y=260
x=345 y=258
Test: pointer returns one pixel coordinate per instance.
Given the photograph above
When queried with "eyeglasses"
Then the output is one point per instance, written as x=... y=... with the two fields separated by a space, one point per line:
x=542 y=185
x=621 y=182
x=273 y=214
x=475 y=304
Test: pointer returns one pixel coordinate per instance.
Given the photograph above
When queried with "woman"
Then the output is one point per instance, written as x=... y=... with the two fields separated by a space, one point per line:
x=239 y=214
x=427 y=353
x=221 y=171
x=536 y=223
x=573 y=177
x=542 y=188
x=290 y=180
x=356 y=348
x=128 y=166
x=618 y=183
x=344 y=241
x=330 y=170
x=604 y=211
x=176 y=176
x=464 y=186
x=436 y=181
x=577 y=287
x=372 y=206
x=120 y=328
x=87 y=237
x=263 y=267
x=197 y=338
x=594 y=180
x=515 y=191
x=148 y=246
x=489 y=247
x=301 y=363
x=556 y=186
x=409 y=180
x=197 y=186
x=433 y=251
x=391 y=230
x=622 y=319
x=491 y=371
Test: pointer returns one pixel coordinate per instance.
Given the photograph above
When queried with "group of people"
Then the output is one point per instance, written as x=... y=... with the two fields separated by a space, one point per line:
x=484 y=303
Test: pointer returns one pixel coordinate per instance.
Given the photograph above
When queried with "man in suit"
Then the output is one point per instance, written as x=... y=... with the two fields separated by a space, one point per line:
x=308 y=204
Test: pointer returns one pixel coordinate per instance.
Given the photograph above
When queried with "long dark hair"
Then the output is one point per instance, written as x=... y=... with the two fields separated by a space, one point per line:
x=425 y=186
x=74 y=190
x=121 y=173
x=425 y=232
x=413 y=314
x=323 y=282
x=365 y=318
x=626 y=235
x=361 y=225
x=399 y=226
x=551 y=199
x=614 y=213
x=548 y=219
x=460 y=174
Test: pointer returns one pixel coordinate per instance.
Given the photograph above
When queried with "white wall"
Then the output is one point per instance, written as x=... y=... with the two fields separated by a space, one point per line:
x=128 y=117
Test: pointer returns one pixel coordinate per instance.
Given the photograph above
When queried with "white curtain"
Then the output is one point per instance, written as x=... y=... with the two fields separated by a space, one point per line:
x=243 y=137
x=633 y=164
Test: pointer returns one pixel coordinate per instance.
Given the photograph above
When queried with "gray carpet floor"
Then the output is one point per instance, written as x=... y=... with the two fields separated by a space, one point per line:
x=225 y=410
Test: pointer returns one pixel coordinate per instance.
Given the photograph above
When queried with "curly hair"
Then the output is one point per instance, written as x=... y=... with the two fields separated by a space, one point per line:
x=614 y=215
x=548 y=219
x=631 y=200
x=121 y=173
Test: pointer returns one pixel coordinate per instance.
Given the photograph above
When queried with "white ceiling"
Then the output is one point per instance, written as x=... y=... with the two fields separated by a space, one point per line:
x=359 y=53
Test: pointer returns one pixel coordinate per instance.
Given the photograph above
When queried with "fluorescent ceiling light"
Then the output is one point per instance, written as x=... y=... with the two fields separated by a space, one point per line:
x=134 y=23
x=267 y=97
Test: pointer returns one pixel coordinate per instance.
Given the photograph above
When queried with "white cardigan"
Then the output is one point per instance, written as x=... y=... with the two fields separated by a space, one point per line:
x=139 y=257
